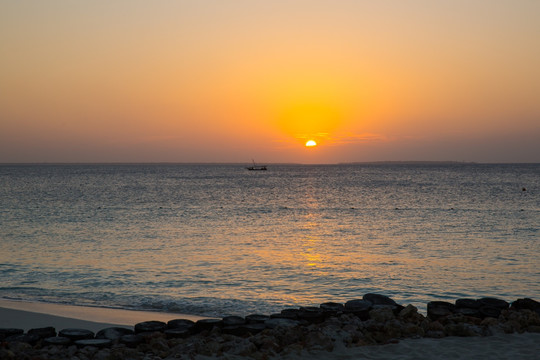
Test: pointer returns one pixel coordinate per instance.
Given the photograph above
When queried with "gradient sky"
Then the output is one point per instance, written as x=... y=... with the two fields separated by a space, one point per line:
x=228 y=81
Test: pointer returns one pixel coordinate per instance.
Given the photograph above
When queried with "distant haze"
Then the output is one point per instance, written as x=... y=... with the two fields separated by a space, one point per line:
x=228 y=81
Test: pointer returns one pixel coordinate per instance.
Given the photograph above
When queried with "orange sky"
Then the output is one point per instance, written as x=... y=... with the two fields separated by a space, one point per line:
x=228 y=81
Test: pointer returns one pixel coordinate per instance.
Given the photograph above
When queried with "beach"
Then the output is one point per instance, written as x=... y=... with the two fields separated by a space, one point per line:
x=503 y=346
x=27 y=315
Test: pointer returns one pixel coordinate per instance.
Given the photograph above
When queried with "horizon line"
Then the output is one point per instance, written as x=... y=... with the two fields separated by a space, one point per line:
x=382 y=162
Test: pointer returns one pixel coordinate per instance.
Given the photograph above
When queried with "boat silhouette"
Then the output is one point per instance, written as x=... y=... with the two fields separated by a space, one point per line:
x=256 y=167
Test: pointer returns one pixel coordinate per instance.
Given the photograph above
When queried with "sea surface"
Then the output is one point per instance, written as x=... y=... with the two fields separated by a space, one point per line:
x=220 y=240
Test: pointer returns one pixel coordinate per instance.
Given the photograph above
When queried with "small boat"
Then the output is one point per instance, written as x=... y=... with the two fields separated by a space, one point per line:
x=256 y=167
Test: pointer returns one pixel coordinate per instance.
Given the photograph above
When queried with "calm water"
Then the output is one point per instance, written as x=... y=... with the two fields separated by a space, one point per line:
x=220 y=240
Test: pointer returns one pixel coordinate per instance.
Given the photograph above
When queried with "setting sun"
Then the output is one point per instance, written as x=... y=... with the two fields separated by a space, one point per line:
x=311 y=143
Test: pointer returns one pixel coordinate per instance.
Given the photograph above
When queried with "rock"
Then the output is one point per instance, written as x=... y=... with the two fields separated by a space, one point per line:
x=489 y=311
x=435 y=326
x=256 y=319
x=254 y=328
x=493 y=302
x=76 y=334
x=23 y=338
x=412 y=330
x=180 y=323
x=57 y=340
x=98 y=343
x=210 y=348
x=233 y=321
x=7 y=354
x=533 y=328
x=86 y=352
x=489 y=322
x=378 y=299
x=277 y=322
x=71 y=350
x=311 y=314
x=103 y=354
x=236 y=330
x=7 y=332
x=526 y=303
x=267 y=344
x=18 y=347
x=297 y=331
x=179 y=332
x=113 y=333
x=289 y=314
x=43 y=332
x=132 y=340
x=523 y=318
x=393 y=329
x=292 y=350
x=244 y=349
x=158 y=345
x=207 y=324
x=332 y=308
x=462 y=329
x=467 y=303
x=408 y=311
x=359 y=308
x=126 y=353
x=438 y=309
x=382 y=315
x=150 y=326
x=469 y=312
x=512 y=326
x=52 y=351
x=455 y=318
x=434 y=334
x=317 y=341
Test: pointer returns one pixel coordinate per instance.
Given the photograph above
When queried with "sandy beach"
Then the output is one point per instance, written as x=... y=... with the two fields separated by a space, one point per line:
x=498 y=347
x=26 y=315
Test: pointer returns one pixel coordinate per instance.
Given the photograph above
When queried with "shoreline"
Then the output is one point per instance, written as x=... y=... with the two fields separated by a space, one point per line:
x=26 y=315
x=343 y=335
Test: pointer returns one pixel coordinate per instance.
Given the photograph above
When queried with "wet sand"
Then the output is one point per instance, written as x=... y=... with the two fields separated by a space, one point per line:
x=28 y=315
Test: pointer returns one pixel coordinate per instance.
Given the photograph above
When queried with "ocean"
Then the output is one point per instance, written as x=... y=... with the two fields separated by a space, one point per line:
x=219 y=240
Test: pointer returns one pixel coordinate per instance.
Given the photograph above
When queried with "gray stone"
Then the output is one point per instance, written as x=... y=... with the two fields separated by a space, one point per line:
x=180 y=323
x=439 y=309
x=24 y=338
x=7 y=332
x=382 y=315
x=378 y=299
x=256 y=319
x=57 y=340
x=43 y=332
x=233 y=321
x=408 y=311
x=150 y=326
x=131 y=340
x=207 y=324
x=113 y=333
x=277 y=322
x=493 y=302
x=76 y=334
x=98 y=343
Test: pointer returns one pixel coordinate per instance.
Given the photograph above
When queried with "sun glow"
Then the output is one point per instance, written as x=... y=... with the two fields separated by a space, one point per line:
x=311 y=143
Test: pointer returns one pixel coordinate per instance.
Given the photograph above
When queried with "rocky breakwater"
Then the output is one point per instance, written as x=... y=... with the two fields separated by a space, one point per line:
x=374 y=319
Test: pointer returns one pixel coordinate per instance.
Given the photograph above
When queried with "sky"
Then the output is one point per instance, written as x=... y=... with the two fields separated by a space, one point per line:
x=231 y=81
